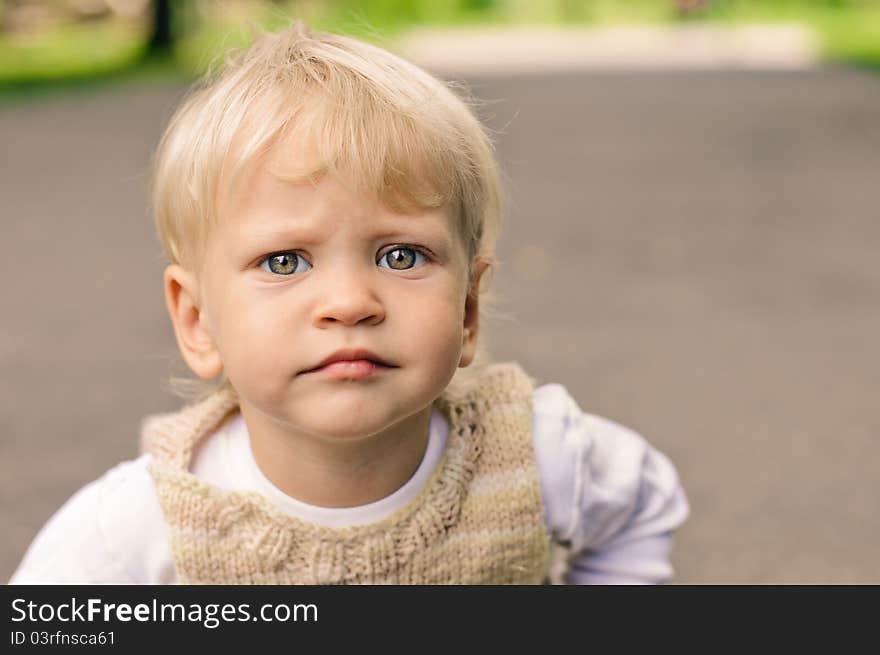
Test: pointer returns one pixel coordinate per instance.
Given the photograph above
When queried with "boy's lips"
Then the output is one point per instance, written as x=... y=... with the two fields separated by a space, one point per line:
x=349 y=369
x=355 y=363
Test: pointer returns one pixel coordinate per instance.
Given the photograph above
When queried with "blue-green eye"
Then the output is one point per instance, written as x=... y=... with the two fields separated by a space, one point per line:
x=285 y=263
x=401 y=258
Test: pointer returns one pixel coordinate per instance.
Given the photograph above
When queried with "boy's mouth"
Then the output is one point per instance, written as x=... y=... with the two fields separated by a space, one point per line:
x=355 y=363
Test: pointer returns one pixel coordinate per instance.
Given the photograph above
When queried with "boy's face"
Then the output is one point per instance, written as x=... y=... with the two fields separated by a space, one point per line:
x=294 y=274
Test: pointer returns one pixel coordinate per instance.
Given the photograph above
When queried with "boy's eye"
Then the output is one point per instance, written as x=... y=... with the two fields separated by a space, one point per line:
x=400 y=259
x=285 y=263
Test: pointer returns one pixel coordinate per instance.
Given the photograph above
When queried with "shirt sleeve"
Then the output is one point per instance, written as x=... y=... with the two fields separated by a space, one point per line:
x=109 y=532
x=610 y=499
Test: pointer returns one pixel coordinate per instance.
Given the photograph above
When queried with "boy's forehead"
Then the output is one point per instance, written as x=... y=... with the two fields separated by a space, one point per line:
x=290 y=164
x=289 y=182
x=294 y=156
x=266 y=206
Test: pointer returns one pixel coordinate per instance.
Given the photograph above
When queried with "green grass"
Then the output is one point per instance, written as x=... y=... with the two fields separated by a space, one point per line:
x=95 y=52
x=76 y=57
x=852 y=39
x=848 y=30
x=71 y=50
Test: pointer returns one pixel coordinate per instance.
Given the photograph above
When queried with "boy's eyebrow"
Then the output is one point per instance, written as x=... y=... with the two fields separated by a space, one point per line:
x=432 y=232
x=308 y=233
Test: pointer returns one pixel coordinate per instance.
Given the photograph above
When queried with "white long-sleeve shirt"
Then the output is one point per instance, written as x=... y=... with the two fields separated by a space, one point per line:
x=608 y=497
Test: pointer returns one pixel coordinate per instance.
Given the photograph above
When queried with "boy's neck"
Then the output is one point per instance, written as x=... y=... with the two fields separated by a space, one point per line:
x=324 y=473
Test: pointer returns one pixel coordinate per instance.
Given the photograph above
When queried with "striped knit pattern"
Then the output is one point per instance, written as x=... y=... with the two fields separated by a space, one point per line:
x=478 y=520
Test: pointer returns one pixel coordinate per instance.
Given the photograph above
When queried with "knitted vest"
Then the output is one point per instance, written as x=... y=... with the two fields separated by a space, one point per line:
x=478 y=520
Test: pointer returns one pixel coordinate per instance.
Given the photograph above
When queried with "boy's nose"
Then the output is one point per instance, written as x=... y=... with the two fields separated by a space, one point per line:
x=349 y=301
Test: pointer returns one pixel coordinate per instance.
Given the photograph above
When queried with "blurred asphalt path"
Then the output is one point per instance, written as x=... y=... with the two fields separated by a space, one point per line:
x=694 y=254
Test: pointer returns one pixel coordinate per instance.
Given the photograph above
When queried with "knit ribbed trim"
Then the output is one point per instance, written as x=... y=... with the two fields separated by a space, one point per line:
x=172 y=438
x=273 y=546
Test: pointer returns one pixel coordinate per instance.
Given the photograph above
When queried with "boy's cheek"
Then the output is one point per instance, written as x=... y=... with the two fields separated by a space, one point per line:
x=439 y=337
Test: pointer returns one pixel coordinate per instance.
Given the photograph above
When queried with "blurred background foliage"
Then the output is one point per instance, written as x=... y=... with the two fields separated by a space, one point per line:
x=48 y=42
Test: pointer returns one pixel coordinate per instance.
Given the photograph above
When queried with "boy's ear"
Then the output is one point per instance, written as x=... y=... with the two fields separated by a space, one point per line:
x=190 y=322
x=472 y=315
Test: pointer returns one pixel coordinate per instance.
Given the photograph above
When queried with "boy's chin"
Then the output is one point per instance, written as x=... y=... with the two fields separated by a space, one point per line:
x=339 y=424
x=339 y=430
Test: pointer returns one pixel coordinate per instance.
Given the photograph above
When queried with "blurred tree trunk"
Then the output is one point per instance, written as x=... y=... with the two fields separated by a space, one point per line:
x=162 y=35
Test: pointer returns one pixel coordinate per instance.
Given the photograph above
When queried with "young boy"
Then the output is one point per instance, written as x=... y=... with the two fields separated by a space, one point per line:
x=329 y=212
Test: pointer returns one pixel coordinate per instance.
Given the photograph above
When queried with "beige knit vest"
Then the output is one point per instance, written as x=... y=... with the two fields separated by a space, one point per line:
x=478 y=520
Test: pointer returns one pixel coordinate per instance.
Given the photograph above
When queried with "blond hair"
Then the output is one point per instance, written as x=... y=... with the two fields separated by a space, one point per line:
x=368 y=117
